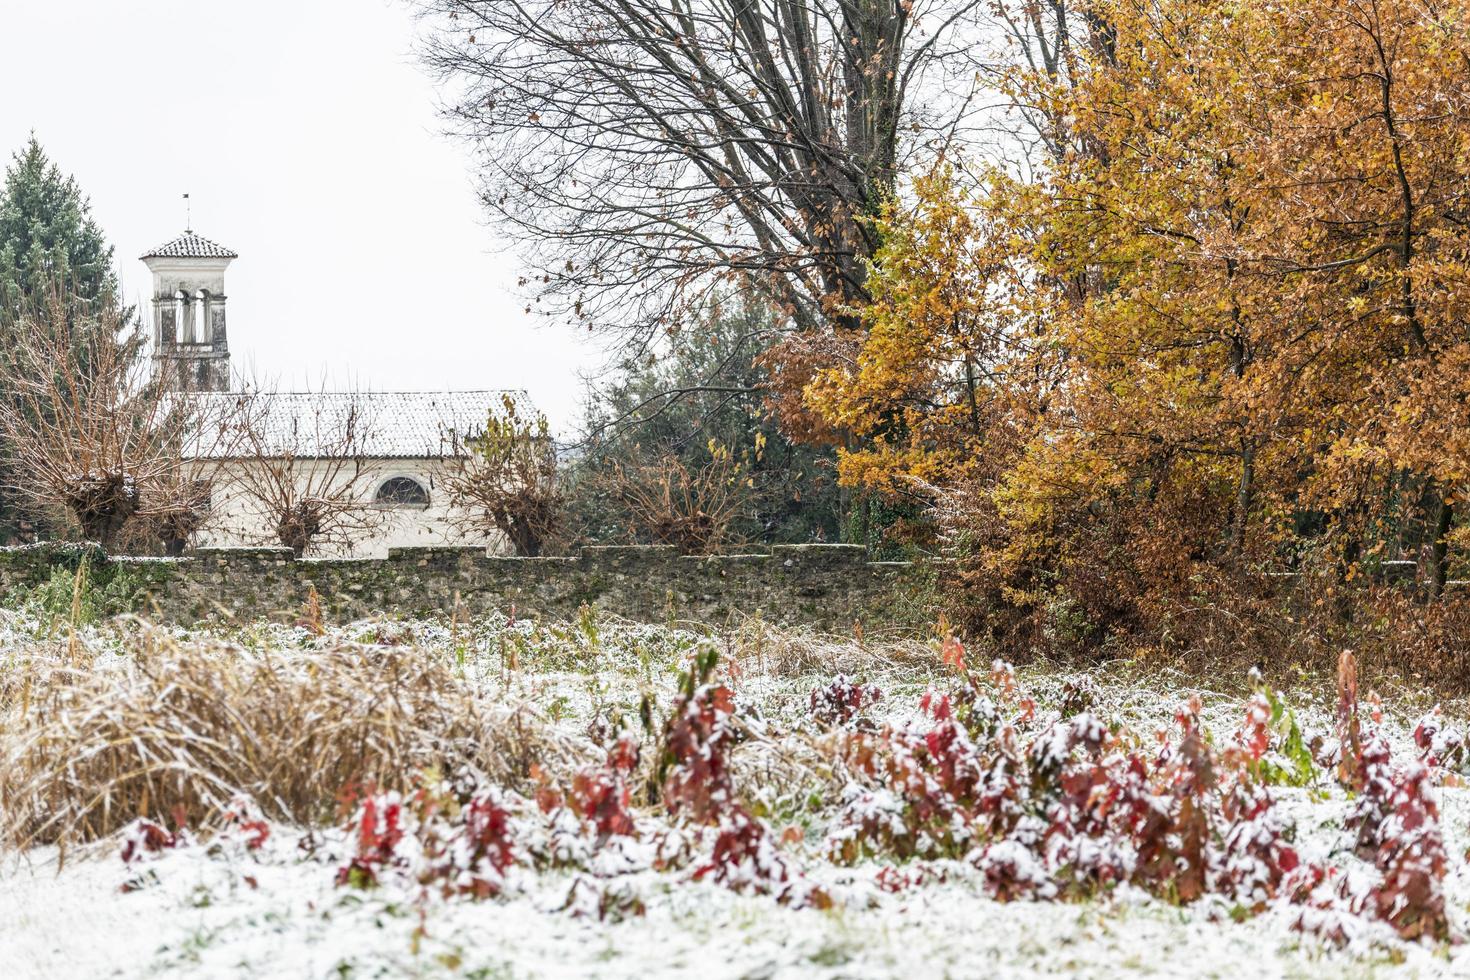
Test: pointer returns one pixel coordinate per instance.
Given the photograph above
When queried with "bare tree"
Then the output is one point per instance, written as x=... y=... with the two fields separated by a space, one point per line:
x=507 y=482
x=177 y=510
x=89 y=432
x=301 y=469
x=178 y=504
x=647 y=150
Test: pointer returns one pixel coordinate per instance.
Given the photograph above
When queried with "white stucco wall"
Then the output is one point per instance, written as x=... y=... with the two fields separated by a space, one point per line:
x=237 y=520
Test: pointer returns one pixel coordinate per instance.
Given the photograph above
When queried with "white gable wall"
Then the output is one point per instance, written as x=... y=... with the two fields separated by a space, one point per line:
x=238 y=521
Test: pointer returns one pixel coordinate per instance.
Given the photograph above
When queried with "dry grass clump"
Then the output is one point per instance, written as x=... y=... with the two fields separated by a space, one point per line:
x=783 y=774
x=179 y=729
x=761 y=648
x=514 y=737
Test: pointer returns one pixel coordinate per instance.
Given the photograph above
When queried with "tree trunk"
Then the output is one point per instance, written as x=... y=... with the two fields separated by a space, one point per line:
x=1243 y=493
x=1435 y=550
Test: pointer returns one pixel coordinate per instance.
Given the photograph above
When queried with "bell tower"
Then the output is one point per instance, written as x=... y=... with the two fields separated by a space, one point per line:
x=191 y=348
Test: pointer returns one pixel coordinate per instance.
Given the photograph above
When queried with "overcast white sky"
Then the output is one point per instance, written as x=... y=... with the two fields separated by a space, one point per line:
x=306 y=134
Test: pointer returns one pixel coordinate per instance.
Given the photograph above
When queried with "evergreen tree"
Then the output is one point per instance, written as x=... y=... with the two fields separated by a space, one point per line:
x=49 y=240
x=50 y=247
x=702 y=394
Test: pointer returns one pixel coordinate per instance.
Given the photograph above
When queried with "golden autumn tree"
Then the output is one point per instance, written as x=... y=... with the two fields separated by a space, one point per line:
x=924 y=395
x=1367 y=151
x=1264 y=260
x=1148 y=238
x=1100 y=317
x=1225 y=327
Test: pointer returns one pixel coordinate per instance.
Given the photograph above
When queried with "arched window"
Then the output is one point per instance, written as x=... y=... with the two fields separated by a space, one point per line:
x=402 y=491
x=201 y=316
x=183 y=326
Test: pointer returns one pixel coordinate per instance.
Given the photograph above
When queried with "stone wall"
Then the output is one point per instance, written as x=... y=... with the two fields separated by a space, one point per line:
x=826 y=586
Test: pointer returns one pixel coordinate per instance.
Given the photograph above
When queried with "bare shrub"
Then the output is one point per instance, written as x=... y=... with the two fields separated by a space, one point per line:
x=87 y=430
x=301 y=468
x=93 y=434
x=178 y=509
x=178 y=503
x=694 y=509
x=508 y=483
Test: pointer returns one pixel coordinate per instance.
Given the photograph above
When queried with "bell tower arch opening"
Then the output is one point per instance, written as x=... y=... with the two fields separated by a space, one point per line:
x=190 y=342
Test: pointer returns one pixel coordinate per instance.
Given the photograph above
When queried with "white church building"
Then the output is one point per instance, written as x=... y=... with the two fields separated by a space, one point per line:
x=404 y=446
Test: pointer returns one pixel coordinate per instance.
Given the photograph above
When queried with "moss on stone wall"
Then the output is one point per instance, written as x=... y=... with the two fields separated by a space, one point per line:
x=48 y=575
x=826 y=586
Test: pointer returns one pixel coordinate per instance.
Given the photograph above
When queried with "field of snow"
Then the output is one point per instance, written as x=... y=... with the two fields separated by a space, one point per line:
x=275 y=898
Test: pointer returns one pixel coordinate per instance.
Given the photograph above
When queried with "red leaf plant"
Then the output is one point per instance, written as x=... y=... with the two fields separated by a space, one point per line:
x=245 y=823
x=696 y=785
x=1067 y=806
x=1440 y=746
x=601 y=795
x=454 y=846
x=143 y=839
x=837 y=704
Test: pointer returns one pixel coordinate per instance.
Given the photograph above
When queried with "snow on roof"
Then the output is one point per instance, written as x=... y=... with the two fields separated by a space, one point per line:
x=190 y=246
x=388 y=424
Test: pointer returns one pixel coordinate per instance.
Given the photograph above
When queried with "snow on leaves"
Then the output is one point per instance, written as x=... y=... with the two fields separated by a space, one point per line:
x=1065 y=807
x=1036 y=806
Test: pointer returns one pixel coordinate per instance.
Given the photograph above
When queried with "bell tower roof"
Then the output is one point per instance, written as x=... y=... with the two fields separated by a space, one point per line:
x=189 y=246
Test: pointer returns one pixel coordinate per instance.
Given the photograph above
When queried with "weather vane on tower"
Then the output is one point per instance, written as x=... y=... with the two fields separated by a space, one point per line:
x=188 y=216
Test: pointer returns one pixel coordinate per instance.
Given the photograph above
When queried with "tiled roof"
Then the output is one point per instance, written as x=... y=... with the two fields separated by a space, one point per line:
x=389 y=424
x=189 y=246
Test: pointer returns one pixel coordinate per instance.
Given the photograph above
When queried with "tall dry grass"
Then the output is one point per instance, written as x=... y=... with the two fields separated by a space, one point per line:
x=759 y=647
x=181 y=728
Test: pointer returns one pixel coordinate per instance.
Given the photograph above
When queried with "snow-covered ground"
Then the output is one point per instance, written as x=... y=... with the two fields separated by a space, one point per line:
x=216 y=908
x=202 y=918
